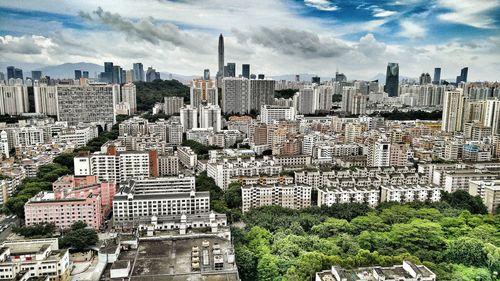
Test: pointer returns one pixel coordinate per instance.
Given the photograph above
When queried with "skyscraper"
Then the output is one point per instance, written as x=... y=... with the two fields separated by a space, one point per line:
x=18 y=73
x=151 y=74
x=78 y=74
x=425 y=78
x=107 y=75
x=316 y=79
x=117 y=73
x=230 y=70
x=138 y=71
x=11 y=72
x=36 y=75
x=236 y=95
x=206 y=74
x=463 y=74
x=108 y=67
x=245 y=71
x=261 y=93
x=221 y=56
x=2 y=76
x=453 y=108
x=85 y=74
x=437 y=76
x=392 y=79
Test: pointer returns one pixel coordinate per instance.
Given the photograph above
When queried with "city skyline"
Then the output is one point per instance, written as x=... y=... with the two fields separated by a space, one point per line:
x=314 y=36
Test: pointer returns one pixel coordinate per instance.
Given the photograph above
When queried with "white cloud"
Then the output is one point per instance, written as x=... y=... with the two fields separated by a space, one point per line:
x=381 y=13
x=472 y=13
x=323 y=5
x=412 y=30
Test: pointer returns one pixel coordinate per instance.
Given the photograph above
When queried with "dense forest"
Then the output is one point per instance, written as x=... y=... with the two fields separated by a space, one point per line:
x=454 y=238
x=410 y=115
x=149 y=93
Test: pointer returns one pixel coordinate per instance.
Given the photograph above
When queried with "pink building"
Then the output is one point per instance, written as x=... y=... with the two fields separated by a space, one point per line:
x=46 y=208
x=71 y=187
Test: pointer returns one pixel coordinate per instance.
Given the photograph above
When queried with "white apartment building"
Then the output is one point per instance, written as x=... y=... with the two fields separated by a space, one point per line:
x=189 y=118
x=27 y=259
x=172 y=105
x=459 y=179
x=13 y=99
x=78 y=136
x=114 y=167
x=270 y=113
x=292 y=160
x=410 y=193
x=141 y=200
x=453 y=108
x=45 y=99
x=129 y=96
x=329 y=196
x=210 y=117
x=287 y=196
x=223 y=171
x=187 y=157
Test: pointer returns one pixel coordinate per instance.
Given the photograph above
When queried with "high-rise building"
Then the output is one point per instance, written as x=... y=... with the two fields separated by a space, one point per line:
x=45 y=99
x=36 y=75
x=261 y=93
x=425 y=78
x=2 y=76
x=220 y=73
x=236 y=95
x=203 y=92
x=210 y=117
x=85 y=74
x=172 y=105
x=14 y=99
x=230 y=70
x=138 y=72
x=18 y=73
x=463 y=75
x=340 y=77
x=78 y=74
x=152 y=75
x=189 y=118
x=206 y=74
x=117 y=75
x=316 y=79
x=261 y=76
x=11 y=72
x=392 y=79
x=129 y=76
x=437 y=76
x=324 y=96
x=270 y=113
x=305 y=101
x=87 y=104
x=453 y=108
x=128 y=95
x=245 y=71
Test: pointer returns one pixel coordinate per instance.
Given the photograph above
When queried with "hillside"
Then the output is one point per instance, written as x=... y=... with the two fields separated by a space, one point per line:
x=149 y=93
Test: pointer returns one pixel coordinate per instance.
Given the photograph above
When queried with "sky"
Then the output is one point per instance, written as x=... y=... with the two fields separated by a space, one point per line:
x=356 y=37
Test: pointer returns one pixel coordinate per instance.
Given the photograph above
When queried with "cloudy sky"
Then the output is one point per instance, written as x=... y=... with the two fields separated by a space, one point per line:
x=276 y=37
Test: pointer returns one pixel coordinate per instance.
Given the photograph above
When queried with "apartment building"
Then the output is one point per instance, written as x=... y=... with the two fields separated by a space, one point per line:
x=140 y=200
x=168 y=165
x=34 y=258
x=46 y=208
x=489 y=191
x=287 y=196
x=87 y=104
x=459 y=179
x=405 y=272
x=223 y=171
x=271 y=113
x=410 y=193
x=187 y=157
x=292 y=160
x=329 y=196
x=263 y=180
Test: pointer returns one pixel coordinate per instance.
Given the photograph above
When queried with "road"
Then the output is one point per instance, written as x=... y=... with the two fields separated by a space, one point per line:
x=7 y=221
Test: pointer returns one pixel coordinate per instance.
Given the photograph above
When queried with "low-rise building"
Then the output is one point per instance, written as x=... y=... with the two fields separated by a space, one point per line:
x=405 y=272
x=329 y=196
x=33 y=258
x=287 y=196
x=410 y=193
x=489 y=191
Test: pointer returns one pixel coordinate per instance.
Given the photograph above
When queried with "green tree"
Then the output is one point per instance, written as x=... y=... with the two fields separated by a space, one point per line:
x=65 y=160
x=467 y=251
x=464 y=273
x=332 y=226
x=247 y=264
x=232 y=195
x=461 y=199
x=267 y=268
x=79 y=237
x=370 y=222
x=36 y=231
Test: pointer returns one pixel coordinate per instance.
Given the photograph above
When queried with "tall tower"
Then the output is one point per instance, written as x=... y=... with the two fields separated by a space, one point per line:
x=392 y=80
x=437 y=76
x=221 y=55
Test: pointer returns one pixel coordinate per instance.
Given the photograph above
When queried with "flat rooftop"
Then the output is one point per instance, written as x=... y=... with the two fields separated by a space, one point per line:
x=170 y=260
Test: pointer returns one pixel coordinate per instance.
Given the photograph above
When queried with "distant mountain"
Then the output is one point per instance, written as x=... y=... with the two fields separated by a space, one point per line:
x=181 y=78
x=302 y=76
x=67 y=70
x=381 y=78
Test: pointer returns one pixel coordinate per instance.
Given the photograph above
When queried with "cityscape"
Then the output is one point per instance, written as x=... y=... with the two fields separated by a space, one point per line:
x=312 y=140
